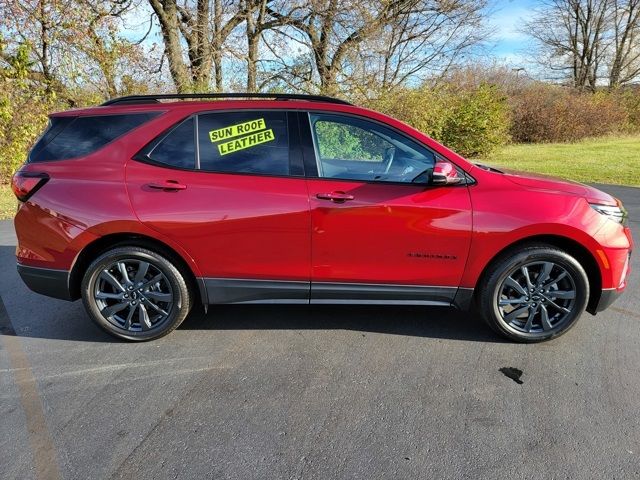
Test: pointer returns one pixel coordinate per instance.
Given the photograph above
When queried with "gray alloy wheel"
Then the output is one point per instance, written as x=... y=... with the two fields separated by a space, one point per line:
x=136 y=294
x=537 y=297
x=534 y=294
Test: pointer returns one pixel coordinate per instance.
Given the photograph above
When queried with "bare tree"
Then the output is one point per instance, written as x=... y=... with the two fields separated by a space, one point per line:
x=204 y=31
x=333 y=29
x=258 y=21
x=111 y=61
x=73 y=44
x=572 y=35
x=424 y=40
x=625 y=45
x=35 y=24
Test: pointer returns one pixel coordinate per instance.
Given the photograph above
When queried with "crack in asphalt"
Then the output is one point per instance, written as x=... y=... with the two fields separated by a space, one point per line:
x=43 y=449
x=625 y=312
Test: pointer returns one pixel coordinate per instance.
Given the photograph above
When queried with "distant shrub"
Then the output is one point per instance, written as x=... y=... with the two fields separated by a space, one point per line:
x=423 y=109
x=473 y=121
x=629 y=100
x=479 y=121
x=22 y=118
x=23 y=114
x=24 y=109
x=345 y=141
x=551 y=113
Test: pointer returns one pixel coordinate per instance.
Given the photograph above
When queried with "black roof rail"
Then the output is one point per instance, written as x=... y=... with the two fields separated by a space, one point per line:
x=133 y=99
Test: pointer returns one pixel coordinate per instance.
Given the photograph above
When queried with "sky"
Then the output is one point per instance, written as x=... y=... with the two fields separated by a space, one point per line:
x=508 y=44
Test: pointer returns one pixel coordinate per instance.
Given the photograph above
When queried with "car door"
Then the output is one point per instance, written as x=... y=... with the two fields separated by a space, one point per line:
x=229 y=188
x=380 y=232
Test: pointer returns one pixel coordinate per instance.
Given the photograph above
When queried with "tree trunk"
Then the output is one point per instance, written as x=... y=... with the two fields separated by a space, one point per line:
x=328 y=84
x=167 y=13
x=253 y=42
x=44 y=53
x=201 y=63
x=625 y=66
x=217 y=43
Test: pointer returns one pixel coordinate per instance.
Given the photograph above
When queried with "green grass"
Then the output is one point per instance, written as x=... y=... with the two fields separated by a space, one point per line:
x=613 y=160
x=7 y=202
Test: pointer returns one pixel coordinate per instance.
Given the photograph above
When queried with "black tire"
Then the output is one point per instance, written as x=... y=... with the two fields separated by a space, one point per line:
x=162 y=293
x=508 y=311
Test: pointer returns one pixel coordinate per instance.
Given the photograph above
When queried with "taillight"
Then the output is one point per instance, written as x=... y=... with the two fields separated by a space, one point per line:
x=25 y=184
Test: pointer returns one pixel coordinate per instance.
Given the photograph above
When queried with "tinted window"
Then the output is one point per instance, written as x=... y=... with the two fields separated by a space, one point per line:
x=355 y=149
x=177 y=148
x=56 y=125
x=244 y=142
x=72 y=137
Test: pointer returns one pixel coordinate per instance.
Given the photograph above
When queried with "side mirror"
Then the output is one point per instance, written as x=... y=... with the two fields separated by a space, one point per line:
x=445 y=173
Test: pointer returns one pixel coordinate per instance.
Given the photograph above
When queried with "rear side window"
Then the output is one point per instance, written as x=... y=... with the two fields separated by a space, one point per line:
x=70 y=137
x=244 y=142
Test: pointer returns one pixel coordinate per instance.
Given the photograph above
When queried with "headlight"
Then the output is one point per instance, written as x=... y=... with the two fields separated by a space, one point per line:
x=618 y=213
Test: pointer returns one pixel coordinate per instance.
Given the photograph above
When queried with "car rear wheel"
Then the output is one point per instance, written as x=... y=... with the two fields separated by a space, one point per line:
x=534 y=294
x=135 y=293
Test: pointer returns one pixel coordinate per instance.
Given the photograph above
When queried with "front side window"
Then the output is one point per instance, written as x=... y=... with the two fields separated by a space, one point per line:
x=351 y=148
x=244 y=142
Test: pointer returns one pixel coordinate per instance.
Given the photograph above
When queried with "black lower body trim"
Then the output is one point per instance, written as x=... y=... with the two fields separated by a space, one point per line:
x=325 y=292
x=46 y=281
x=230 y=290
x=607 y=297
x=463 y=299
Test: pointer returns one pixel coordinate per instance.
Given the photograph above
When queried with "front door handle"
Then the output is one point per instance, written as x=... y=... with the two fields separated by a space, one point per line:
x=336 y=197
x=169 y=185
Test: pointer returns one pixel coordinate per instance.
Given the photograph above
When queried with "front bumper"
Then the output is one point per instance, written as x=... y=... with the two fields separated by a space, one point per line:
x=46 y=281
x=607 y=297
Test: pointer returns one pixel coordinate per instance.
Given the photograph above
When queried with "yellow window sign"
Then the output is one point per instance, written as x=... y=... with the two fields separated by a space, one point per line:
x=255 y=132
x=246 y=142
x=237 y=130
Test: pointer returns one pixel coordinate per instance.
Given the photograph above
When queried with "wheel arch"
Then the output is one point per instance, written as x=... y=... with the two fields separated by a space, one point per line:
x=568 y=245
x=91 y=251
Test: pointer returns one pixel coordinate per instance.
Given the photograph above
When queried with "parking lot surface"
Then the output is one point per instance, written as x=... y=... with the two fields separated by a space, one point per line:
x=316 y=392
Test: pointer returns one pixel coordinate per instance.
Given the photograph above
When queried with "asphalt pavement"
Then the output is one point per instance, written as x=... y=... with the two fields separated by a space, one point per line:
x=322 y=392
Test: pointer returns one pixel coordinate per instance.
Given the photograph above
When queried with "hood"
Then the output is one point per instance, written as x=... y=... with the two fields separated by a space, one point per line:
x=553 y=184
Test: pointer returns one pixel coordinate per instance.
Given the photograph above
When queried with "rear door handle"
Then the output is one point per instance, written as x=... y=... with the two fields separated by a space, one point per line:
x=336 y=197
x=167 y=185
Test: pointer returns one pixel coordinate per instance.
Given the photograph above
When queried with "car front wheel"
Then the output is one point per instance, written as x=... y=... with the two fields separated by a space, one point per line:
x=534 y=294
x=135 y=293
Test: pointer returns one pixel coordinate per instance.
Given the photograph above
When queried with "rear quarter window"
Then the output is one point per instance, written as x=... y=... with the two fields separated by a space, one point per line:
x=70 y=137
x=177 y=148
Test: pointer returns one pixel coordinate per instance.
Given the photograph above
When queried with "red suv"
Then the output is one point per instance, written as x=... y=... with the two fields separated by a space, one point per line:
x=144 y=207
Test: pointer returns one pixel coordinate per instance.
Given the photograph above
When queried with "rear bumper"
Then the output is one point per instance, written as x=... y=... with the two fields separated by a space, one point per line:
x=46 y=281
